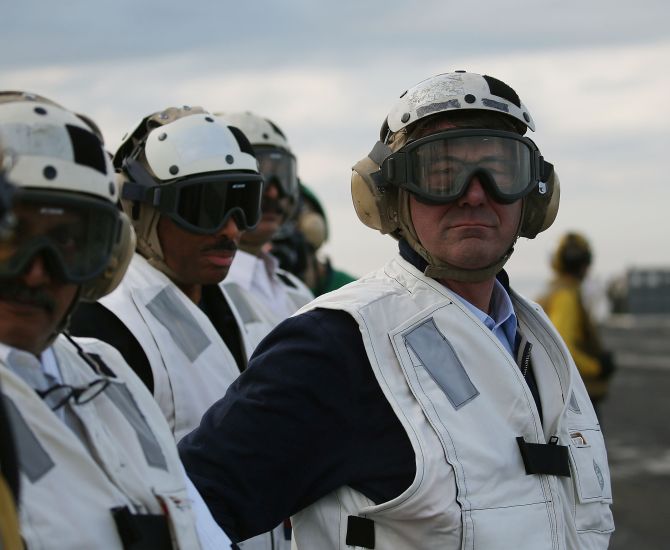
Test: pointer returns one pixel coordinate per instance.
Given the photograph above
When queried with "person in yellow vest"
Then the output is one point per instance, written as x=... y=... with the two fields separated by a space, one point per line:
x=427 y=404
x=564 y=304
x=98 y=463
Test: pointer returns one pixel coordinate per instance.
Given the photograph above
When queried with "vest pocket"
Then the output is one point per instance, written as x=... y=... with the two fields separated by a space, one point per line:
x=591 y=479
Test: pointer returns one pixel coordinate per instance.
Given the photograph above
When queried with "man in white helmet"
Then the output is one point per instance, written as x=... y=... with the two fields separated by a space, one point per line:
x=427 y=405
x=191 y=186
x=98 y=464
x=255 y=282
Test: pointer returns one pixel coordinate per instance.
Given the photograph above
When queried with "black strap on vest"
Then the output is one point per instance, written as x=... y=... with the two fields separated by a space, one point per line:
x=360 y=532
x=286 y=280
x=104 y=369
x=545 y=458
x=142 y=531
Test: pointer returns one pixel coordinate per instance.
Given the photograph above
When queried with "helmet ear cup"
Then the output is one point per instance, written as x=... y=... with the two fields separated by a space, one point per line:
x=540 y=209
x=375 y=203
x=313 y=226
x=122 y=253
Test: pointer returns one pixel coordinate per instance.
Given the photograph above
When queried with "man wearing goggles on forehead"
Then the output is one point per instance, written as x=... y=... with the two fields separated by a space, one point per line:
x=440 y=408
x=98 y=463
x=191 y=186
x=255 y=280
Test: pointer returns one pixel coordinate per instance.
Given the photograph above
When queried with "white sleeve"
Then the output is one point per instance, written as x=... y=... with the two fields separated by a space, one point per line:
x=211 y=536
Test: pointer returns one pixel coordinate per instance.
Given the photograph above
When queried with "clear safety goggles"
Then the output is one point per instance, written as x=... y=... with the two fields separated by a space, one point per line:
x=438 y=168
x=200 y=204
x=74 y=234
x=278 y=166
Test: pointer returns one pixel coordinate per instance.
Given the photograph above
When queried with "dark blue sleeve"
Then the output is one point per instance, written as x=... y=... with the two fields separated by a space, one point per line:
x=304 y=419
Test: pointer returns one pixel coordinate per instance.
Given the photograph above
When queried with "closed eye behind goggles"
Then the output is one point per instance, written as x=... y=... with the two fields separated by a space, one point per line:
x=74 y=234
x=438 y=168
x=199 y=204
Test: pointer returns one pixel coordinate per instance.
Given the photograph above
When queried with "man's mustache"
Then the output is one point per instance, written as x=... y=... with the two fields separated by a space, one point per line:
x=17 y=292
x=224 y=244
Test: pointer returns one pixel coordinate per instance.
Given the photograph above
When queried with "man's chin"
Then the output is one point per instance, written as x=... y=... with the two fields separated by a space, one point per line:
x=24 y=332
x=22 y=309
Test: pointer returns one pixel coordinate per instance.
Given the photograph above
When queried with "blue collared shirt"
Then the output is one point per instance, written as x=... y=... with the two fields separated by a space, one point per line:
x=502 y=320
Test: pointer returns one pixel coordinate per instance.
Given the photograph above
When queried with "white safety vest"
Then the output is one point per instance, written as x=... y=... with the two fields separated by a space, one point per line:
x=255 y=317
x=463 y=402
x=191 y=365
x=68 y=489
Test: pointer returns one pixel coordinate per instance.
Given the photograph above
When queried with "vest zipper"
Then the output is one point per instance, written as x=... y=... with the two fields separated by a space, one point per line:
x=525 y=359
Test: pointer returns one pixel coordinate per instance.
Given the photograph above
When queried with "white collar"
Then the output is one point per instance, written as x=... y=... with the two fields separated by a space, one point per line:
x=244 y=266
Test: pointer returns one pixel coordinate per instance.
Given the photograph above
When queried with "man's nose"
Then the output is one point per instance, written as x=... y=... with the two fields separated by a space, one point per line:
x=271 y=190
x=475 y=193
x=36 y=274
x=230 y=230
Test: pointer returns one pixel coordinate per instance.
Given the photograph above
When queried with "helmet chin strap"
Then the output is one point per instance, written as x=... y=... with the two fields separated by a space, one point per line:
x=438 y=269
x=444 y=270
x=148 y=243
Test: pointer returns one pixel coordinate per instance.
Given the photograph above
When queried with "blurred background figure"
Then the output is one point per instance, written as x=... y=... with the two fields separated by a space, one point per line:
x=256 y=282
x=298 y=243
x=9 y=473
x=565 y=306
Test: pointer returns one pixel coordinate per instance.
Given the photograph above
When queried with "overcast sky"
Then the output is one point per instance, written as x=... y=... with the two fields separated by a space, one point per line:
x=592 y=73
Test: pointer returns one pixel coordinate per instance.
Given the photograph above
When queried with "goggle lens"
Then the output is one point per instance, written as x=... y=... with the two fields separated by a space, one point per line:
x=206 y=206
x=278 y=166
x=77 y=236
x=440 y=167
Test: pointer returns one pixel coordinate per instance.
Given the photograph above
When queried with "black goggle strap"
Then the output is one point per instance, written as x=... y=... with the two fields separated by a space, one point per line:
x=140 y=187
x=379 y=153
x=546 y=171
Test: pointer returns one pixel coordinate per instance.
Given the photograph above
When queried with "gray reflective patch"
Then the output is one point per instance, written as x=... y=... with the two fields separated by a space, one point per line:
x=237 y=295
x=438 y=107
x=493 y=104
x=34 y=461
x=573 y=405
x=124 y=401
x=182 y=326
x=441 y=361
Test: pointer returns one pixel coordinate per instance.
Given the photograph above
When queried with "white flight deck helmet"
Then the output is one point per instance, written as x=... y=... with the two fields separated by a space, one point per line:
x=385 y=207
x=185 y=146
x=57 y=161
x=277 y=162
